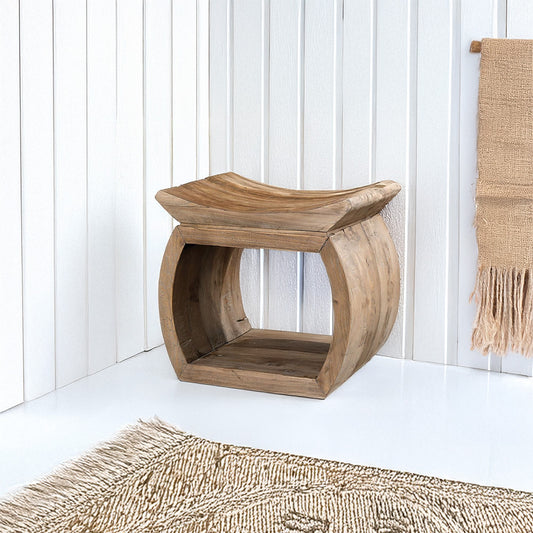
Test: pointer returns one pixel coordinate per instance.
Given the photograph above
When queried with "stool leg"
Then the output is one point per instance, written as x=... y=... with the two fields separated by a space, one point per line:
x=364 y=273
x=200 y=302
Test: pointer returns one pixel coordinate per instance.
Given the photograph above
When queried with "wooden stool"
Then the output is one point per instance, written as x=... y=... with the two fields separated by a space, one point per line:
x=207 y=335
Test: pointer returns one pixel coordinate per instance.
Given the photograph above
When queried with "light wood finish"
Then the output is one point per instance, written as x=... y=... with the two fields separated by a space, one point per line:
x=364 y=273
x=475 y=47
x=304 y=241
x=231 y=200
x=200 y=303
x=206 y=331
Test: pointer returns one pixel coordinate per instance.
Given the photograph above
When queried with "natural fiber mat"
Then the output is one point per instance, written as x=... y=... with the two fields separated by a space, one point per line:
x=154 y=478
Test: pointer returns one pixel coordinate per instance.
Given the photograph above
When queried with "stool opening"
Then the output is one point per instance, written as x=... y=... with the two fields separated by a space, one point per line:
x=214 y=330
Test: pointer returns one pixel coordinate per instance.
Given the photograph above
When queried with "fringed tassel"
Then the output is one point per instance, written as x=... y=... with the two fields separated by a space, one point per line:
x=504 y=319
x=87 y=478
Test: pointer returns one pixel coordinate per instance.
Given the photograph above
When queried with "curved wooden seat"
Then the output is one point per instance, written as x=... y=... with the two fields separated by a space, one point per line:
x=231 y=200
x=207 y=334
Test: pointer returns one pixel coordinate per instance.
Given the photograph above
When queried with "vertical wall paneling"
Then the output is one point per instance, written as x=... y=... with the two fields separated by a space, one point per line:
x=104 y=102
x=396 y=148
x=11 y=365
x=454 y=188
x=433 y=293
x=158 y=150
x=338 y=85
x=70 y=189
x=284 y=147
x=319 y=160
x=247 y=140
x=220 y=85
x=358 y=93
x=364 y=128
x=202 y=88
x=499 y=29
x=184 y=91
x=519 y=18
x=129 y=179
x=519 y=26
x=477 y=21
x=264 y=255
x=101 y=163
x=37 y=161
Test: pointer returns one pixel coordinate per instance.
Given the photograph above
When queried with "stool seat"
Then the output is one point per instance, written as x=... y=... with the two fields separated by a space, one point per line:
x=232 y=200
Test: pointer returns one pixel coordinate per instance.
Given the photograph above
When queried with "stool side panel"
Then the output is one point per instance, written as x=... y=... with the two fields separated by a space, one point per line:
x=200 y=301
x=167 y=274
x=363 y=270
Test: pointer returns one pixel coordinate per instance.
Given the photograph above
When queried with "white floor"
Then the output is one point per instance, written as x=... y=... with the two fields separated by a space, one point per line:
x=450 y=422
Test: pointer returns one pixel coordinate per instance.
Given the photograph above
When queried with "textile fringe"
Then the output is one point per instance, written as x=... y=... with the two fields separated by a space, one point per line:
x=504 y=319
x=156 y=479
x=88 y=476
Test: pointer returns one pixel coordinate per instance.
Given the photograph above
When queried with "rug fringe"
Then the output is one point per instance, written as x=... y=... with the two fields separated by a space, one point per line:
x=504 y=319
x=132 y=448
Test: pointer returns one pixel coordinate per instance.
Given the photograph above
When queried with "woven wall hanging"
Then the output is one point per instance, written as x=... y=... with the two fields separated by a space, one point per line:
x=504 y=199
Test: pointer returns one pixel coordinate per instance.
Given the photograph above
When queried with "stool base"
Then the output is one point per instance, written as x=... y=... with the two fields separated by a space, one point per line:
x=209 y=338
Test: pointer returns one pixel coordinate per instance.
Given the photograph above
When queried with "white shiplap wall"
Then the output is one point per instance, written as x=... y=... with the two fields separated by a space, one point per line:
x=103 y=102
x=11 y=361
x=341 y=93
x=99 y=106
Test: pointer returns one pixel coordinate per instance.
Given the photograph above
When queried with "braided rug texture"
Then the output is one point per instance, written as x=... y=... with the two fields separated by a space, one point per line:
x=154 y=478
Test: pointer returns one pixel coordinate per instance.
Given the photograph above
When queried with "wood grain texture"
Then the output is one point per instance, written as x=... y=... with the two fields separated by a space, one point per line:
x=167 y=293
x=475 y=47
x=206 y=332
x=364 y=273
x=200 y=303
x=308 y=241
x=232 y=200
x=277 y=352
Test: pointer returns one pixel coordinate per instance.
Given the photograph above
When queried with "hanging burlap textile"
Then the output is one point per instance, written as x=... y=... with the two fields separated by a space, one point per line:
x=504 y=199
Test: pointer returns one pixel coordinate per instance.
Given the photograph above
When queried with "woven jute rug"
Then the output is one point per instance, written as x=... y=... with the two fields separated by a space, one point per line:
x=504 y=199
x=154 y=478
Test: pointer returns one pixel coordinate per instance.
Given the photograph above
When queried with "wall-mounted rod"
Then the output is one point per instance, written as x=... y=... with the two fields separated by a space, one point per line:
x=475 y=47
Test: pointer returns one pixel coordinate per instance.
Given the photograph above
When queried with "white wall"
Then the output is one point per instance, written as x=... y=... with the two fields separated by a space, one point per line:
x=99 y=101
x=103 y=102
x=341 y=93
